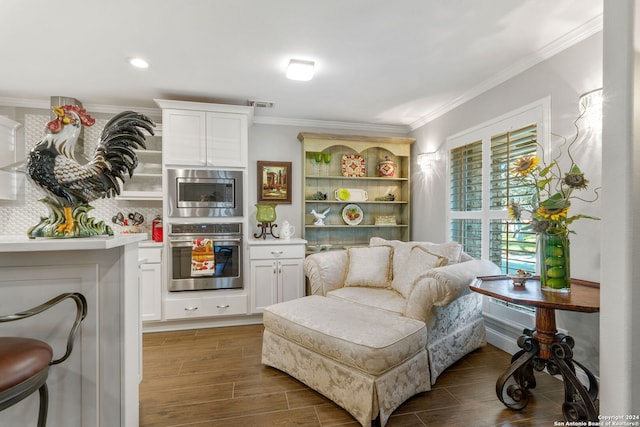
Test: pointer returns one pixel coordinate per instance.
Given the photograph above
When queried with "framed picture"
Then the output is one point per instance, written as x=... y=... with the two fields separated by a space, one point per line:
x=274 y=182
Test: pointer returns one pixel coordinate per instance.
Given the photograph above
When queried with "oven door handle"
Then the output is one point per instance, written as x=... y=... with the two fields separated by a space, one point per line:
x=189 y=242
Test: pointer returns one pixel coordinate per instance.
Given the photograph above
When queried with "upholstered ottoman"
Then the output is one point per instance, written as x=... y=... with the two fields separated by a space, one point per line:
x=366 y=360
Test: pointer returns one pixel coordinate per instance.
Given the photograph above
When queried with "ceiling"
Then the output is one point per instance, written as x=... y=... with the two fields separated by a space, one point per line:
x=377 y=61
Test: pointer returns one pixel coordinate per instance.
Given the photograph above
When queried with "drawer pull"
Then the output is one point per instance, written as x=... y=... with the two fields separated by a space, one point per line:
x=190 y=308
x=277 y=252
x=223 y=306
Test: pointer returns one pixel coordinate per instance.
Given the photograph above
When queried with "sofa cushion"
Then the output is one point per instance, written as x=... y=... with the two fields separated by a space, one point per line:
x=419 y=260
x=370 y=267
x=450 y=250
x=360 y=337
x=380 y=298
x=401 y=251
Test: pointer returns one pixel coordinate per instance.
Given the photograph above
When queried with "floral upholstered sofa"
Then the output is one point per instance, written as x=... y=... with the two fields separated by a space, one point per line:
x=427 y=282
x=380 y=324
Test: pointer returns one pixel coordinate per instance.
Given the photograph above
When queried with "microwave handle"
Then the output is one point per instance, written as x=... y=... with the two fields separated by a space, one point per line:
x=189 y=242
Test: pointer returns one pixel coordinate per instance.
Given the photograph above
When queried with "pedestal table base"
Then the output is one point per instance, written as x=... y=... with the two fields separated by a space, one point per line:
x=512 y=388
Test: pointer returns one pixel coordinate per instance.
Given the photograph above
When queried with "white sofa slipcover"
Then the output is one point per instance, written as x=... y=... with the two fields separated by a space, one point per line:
x=439 y=296
x=322 y=341
x=365 y=360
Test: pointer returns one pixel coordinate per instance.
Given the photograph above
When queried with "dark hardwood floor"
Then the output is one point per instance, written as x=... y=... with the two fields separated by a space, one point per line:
x=213 y=377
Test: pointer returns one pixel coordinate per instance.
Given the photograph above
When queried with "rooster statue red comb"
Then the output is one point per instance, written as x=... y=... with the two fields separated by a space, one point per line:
x=69 y=186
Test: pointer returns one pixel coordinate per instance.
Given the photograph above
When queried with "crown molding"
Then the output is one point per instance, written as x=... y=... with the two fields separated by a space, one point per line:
x=24 y=103
x=155 y=113
x=284 y=121
x=571 y=38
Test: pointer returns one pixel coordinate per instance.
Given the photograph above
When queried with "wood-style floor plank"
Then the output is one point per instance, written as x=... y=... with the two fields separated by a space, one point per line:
x=214 y=378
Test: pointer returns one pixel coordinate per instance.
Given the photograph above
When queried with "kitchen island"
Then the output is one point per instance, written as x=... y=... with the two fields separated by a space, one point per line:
x=98 y=384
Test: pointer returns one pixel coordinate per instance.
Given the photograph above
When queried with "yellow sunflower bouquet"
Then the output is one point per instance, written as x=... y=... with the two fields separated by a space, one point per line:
x=552 y=191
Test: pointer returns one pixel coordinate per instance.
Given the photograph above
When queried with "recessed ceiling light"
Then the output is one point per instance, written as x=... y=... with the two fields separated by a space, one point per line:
x=138 y=62
x=300 y=69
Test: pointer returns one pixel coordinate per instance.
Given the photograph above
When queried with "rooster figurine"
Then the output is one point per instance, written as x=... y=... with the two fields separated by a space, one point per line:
x=70 y=186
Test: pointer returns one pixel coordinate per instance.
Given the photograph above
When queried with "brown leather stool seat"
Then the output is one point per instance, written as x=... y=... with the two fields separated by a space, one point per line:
x=24 y=362
x=21 y=359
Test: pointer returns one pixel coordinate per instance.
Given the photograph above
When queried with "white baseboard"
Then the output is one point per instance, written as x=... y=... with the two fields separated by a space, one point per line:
x=204 y=322
x=504 y=342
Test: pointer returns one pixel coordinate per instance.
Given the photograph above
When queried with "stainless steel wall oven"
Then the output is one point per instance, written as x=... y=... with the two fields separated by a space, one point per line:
x=204 y=193
x=221 y=246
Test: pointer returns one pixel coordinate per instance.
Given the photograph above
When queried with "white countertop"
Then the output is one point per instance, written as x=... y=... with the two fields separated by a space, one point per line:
x=21 y=243
x=149 y=244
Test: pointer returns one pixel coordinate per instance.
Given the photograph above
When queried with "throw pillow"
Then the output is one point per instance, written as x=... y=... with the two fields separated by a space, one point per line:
x=419 y=261
x=401 y=251
x=450 y=250
x=369 y=266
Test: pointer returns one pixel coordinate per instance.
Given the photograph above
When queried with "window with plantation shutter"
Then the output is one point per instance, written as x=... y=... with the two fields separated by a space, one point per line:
x=469 y=232
x=481 y=187
x=505 y=149
x=466 y=177
x=511 y=246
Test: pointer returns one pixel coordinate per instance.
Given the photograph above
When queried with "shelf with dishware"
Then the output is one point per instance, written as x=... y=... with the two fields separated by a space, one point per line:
x=355 y=188
x=146 y=182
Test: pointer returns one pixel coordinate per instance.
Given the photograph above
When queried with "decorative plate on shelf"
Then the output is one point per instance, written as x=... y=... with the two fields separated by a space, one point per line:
x=353 y=165
x=352 y=214
x=351 y=195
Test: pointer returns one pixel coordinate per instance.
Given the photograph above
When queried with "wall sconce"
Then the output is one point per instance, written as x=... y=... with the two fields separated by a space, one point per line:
x=300 y=70
x=590 y=107
x=425 y=160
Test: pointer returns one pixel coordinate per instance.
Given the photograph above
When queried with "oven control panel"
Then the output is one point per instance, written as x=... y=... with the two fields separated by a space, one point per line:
x=207 y=228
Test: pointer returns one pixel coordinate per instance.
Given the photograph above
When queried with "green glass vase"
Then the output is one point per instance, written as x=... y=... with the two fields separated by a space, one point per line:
x=266 y=212
x=554 y=260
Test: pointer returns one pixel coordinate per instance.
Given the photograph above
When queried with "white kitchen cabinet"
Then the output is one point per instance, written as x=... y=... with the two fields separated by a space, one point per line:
x=276 y=271
x=150 y=281
x=227 y=139
x=198 y=304
x=98 y=385
x=200 y=134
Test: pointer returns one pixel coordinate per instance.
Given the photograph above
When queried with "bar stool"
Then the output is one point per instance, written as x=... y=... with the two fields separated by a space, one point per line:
x=24 y=362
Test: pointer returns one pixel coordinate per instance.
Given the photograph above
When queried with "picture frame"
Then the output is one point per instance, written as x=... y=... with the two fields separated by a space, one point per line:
x=274 y=182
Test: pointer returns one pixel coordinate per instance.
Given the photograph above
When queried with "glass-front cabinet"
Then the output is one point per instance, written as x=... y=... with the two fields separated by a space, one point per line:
x=355 y=188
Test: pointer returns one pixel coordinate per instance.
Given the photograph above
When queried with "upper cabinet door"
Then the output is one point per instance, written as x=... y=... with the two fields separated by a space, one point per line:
x=227 y=139
x=184 y=137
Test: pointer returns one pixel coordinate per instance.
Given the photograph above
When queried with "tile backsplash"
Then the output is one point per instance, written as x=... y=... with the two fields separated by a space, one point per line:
x=17 y=216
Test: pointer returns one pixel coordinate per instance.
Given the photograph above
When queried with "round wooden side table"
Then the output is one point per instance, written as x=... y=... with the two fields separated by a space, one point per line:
x=543 y=347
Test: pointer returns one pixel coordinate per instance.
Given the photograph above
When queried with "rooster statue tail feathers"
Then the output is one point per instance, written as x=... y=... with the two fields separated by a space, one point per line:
x=114 y=156
x=52 y=167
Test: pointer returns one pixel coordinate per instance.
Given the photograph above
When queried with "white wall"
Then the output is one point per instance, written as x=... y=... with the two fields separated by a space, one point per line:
x=563 y=77
x=620 y=294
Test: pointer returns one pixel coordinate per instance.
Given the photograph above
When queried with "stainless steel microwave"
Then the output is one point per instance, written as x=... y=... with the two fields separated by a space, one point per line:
x=202 y=193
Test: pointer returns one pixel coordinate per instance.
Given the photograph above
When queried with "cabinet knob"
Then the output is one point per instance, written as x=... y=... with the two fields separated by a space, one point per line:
x=223 y=306
x=190 y=308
